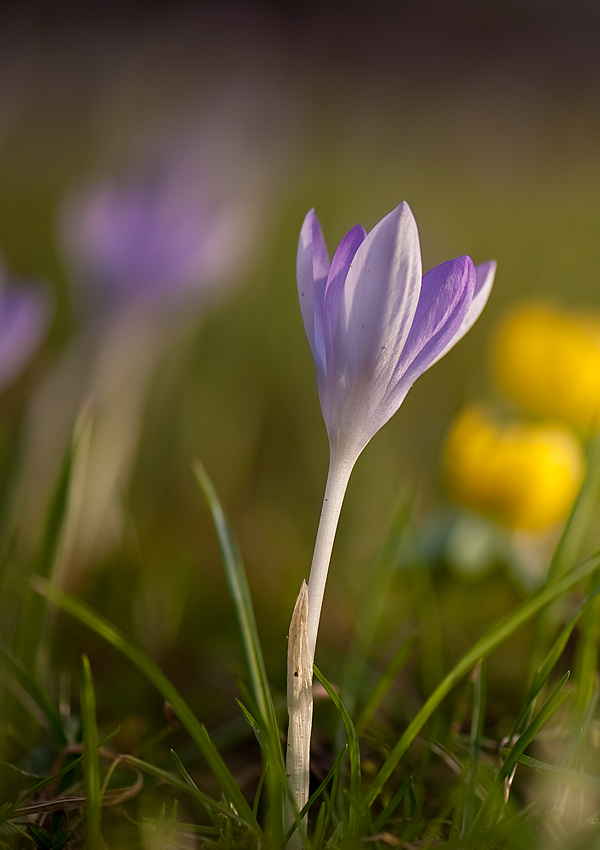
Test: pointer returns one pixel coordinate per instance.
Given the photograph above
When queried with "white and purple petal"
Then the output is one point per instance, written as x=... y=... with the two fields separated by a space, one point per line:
x=312 y=267
x=379 y=300
x=334 y=290
x=446 y=296
x=483 y=286
x=446 y=293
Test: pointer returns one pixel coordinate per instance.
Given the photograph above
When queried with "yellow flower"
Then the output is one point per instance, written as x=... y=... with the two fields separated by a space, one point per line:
x=548 y=362
x=523 y=476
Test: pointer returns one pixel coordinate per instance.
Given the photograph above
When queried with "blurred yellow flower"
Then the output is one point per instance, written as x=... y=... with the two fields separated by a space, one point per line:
x=548 y=362
x=523 y=476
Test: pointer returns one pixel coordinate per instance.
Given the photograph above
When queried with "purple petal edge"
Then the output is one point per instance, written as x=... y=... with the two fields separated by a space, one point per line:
x=340 y=266
x=336 y=280
x=446 y=295
x=485 y=279
x=312 y=267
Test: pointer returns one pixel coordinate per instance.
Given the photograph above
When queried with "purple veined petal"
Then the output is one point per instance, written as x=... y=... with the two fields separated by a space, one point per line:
x=446 y=293
x=378 y=304
x=24 y=317
x=485 y=278
x=312 y=267
x=336 y=280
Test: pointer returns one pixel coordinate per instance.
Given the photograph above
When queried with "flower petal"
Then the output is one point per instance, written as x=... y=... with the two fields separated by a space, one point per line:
x=483 y=286
x=379 y=302
x=336 y=280
x=312 y=267
x=446 y=294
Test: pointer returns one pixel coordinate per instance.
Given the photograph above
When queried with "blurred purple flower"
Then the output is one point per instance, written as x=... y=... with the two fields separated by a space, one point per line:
x=374 y=324
x=24 y=316
x=155 y=238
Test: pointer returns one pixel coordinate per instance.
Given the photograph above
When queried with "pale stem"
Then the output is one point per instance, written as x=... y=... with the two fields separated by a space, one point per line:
x=301 y=651
x=337 y=481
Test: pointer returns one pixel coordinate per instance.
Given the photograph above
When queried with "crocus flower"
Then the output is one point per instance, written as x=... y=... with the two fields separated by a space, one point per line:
x=374 y=324
x=149 y=248
x=154 y=238
x=24 y=317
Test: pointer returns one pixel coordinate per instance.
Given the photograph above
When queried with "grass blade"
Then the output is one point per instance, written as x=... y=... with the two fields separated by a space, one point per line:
x=335 y=836
x=8 y=811
x=183 y=785
x=23 y=676
x=481 y=649
x=320 y=827
x=85 y=614
x=258 y=792
x=541 y=675
x=258 y=732
x=385 y=682
x=567 y=551
x=261 y=691
x=44 y=563
x=373 y=593
x=353 y=748
x=333 y=773
x=477 y=719
x=240 y=593
x=552 y=703
x=573 y=778
x=586 y=663
x=180 y=767
x=393 y=804
x=325 y=810
x=91 y=762
x=569 y=545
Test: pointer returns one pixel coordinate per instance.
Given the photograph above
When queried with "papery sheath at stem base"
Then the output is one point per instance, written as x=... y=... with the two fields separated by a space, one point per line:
x=300 y=711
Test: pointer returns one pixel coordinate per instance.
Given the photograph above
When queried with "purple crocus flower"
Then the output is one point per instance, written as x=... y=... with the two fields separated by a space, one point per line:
x=24 y=317
x=148 y=247
x=374 y=323
x=152 y=238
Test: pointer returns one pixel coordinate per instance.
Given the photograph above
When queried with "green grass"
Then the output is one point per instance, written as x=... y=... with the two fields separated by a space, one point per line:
x=357 y=803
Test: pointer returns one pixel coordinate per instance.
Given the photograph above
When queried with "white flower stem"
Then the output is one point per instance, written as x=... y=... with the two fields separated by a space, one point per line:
x=337 y=482
x=301 y=651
